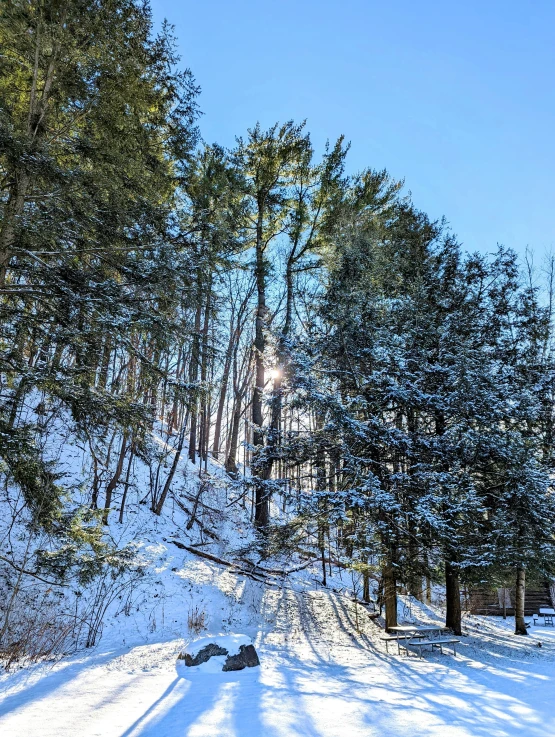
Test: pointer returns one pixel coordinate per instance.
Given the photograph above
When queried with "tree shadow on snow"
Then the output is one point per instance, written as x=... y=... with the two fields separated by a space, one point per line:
x=461 y=700
x=46 y=684
x=198 y=704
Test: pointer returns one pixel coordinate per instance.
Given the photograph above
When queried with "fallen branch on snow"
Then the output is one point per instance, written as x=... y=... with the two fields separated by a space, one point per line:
x=221 y=562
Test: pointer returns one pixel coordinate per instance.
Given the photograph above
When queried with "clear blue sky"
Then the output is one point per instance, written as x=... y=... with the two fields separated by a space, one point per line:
x=457 y=98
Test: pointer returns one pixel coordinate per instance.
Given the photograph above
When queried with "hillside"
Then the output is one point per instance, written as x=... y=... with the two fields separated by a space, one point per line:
x=262 y=416
x=319 y=676
x=322 y=673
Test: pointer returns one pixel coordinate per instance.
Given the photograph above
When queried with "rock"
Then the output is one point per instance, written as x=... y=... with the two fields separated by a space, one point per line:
x=238 y=649
x=246 y=658
x=203 y=655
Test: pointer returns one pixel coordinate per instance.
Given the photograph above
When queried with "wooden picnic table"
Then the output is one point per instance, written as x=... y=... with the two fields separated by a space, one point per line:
x=421 y=636
x=547 y=613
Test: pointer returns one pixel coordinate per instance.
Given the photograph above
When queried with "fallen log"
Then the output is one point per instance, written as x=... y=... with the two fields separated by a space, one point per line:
x=278 y=571
x=187 y=511
x=221 y=562
x=202 y=504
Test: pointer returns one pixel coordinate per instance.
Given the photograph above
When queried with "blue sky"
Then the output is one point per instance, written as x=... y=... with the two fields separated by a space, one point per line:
x=457 y=98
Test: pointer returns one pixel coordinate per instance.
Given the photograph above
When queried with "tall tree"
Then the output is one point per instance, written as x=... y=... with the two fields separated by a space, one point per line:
x=269 y=161
x=97 y=127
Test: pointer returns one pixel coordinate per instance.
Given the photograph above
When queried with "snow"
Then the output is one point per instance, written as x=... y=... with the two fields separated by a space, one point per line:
x=321 y=675
x=318 y=678
x=214 y=665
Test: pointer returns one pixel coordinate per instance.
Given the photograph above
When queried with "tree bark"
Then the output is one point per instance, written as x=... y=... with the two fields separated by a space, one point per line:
x=414 y=579
x=13 y=210
x=322 y=504
x=236 y=327
x=453 y=598
x=365 y=585
x=389 y=595
x=223 y=394
x=240 y=388
x=193 y=376
x=205 y=402
x=231 y=460
x=520 y=624
x=157 y=508
x=262 y=498
x=114 y=480
x=126 y=489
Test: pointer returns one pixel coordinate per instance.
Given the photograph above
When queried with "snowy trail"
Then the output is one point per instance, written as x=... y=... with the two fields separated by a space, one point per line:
x=319 y=678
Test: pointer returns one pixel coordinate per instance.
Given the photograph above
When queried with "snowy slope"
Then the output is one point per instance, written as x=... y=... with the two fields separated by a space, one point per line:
x=318 y=678
x=324 y=670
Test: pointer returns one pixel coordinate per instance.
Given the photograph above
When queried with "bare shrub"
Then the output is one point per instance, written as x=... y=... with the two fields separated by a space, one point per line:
x=40 y=632
x=112 y=585
x=39 y=625
x=196 y=620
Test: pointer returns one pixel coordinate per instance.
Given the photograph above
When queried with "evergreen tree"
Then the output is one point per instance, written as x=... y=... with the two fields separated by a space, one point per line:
x=269 y=161
x=97 y=129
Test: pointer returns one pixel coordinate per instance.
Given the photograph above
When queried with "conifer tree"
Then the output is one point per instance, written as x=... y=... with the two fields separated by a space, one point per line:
x=97 y=128
x=269 y=161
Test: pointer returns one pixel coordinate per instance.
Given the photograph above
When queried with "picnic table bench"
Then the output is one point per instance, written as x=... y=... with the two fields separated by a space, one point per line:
x=419 y=636
x=395 y=638
x=440 y=642
x=547 y=613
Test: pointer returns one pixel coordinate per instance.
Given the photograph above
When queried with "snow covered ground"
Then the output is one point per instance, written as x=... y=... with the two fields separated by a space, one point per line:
x=324 y=670
x=319 y=678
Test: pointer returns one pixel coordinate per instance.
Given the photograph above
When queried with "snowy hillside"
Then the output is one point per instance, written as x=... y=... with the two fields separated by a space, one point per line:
x=324 y=669
x=270 y=434
x=319 y=676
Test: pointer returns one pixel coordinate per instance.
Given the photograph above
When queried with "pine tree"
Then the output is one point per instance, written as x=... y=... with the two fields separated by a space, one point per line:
x=97 y=128
x=269 y=161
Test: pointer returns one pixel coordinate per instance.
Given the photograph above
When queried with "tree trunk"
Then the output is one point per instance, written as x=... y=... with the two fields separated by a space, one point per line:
x=414 y=579
x=221 y=401
x=157 y=508
x=428 y=590
x=274 y=428
x=262 y=497
x=193 y=376
x=12 y=212
x=126 y=489
x=240 y=388
x=114 y=480
x=231 y=460
x=520 y=624
x=322 y=503
x=453 y=598
x=205 y=402
x=365 y=585
x=389 y=595
x=173 y=418
x=236 y=326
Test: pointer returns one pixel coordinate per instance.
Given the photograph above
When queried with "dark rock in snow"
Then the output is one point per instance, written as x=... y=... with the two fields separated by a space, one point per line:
x=203 y=655
x=246 y=658
x=240 y=653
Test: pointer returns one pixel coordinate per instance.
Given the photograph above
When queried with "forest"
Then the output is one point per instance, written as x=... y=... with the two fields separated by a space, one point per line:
x=377 y=397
